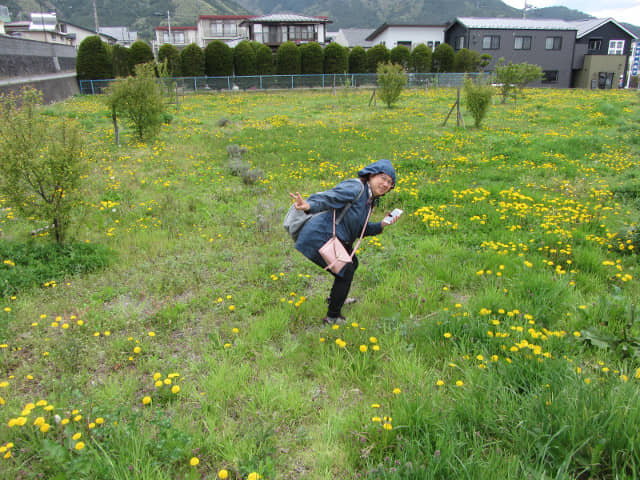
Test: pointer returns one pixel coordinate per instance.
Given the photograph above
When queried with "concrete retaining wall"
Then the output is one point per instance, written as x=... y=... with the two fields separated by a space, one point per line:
x=48 y=67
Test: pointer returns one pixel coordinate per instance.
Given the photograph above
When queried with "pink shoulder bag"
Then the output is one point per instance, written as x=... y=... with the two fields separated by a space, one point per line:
x=333 y=251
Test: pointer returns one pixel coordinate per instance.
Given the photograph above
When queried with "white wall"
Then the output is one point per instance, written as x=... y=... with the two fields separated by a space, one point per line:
x=416 y=35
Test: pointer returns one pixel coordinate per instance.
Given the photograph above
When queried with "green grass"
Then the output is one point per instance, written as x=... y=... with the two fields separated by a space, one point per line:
x=468 y=354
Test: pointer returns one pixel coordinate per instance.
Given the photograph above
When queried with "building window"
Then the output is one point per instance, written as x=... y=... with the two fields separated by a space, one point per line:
x=460 y=43
x=490 y=42
x=230 y=28
x=616 y=47
x=595 y=44
x=405 y=43
x=179 y=37
x=165 y=37
x=553 y=43
x=550 y=76
x=216 y=29
x=522 y=43
x=430 y=45
x=301 y=33
x=437 y=43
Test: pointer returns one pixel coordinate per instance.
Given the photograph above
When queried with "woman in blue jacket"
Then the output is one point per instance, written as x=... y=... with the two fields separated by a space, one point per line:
x=356 y=195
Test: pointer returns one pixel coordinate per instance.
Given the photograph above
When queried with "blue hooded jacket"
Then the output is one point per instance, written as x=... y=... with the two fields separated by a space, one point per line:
x=319 y=229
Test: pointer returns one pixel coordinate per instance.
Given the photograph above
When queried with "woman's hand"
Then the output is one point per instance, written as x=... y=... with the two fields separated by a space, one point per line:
x=299 y=202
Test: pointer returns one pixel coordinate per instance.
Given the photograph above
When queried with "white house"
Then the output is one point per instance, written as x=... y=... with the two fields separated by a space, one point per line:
x=227 y=28
x=178 y=36
x=408 y=35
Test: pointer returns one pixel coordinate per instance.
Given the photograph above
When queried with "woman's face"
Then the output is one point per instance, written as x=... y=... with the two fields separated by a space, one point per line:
x=380 y=184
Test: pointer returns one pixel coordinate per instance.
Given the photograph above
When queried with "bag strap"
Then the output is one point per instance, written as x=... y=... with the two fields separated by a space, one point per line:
x=344 y=211
x=357 y=244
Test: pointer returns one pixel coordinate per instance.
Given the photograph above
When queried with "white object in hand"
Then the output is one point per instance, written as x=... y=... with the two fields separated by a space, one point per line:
x=396 y=213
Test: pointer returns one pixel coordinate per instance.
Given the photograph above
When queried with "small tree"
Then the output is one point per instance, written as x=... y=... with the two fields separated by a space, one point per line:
x=336 y=59
x=244 y=59
x=477 y=98
x=311 y=58
x=218 y=59
x=443 y=57
x=140 y=99
x=288 y=59
x=375 y=55
x=170 y=55
x=420 y=59
x=514 y=77
x=400 y=55
x=120 y=60
x=391 y=81
x=358 y=60
x=40 y=160
x=192 y=61
x=92 y=61
x=139 y=52
x=264 y=60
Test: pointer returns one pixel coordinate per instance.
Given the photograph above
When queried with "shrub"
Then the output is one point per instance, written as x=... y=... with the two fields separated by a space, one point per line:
x=311 y=58
x=218 y=59
x=466 y=60
x=358 y=60
x=477 y=98
x=391 y=81
x=336 y=59
x=120 y=61
x=170 y=55
x=400 y=56
x=443 y=57
x=140 y=52
x=192 y=61
x=264 y=60
x=244 y=59
x=376 y=55
x=420 y=59
x=288 y=59
x=514 y=77
x=40 y=160
x=92 y=61
x=140 y=99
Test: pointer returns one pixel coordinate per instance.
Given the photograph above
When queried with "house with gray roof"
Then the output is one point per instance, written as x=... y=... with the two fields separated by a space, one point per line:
x=602 y=51
x=547 y=43
x=354 y=37
x=275 y=29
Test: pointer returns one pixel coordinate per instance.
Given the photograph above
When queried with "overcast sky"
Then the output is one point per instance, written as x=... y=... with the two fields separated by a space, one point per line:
x=627 y=11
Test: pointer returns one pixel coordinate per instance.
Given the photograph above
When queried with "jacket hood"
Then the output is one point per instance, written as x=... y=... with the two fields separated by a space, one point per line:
x=381 y=166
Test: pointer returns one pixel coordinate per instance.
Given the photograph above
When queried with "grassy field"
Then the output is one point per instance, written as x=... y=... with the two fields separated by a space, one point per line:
x=179 y=336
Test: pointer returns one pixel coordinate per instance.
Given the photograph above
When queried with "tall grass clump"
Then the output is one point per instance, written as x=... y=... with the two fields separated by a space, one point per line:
x=477 y=98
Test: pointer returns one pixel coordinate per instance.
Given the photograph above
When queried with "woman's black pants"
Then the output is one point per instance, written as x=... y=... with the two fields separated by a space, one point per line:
x=340 y=289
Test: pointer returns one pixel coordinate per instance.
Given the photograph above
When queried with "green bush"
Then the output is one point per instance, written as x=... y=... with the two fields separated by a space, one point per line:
x=171 y=55
x=400 y=56
x=264 y=60
x=466 y=60
x=140 y=52
x=92 y=61
x=311 y=58
x=288 y=59
x=120 y=61
x=391 y=80
x=244 y=59
x=477 y=98
x=443 y=58
x=192 y=61
x=514 y=77
x=40 y=161
x=218 y=59
x=420 y=59
x=140 y=99
x=358 y=60
x=376 y=55
x=336 y=59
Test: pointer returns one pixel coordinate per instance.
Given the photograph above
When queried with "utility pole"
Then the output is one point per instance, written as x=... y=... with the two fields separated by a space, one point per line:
x=95 y=15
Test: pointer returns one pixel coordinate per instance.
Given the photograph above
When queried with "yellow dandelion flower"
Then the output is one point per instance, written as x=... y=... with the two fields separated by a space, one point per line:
x=397 y=391
x=146 y=400
x=223 y=474
x=439 y=383
x=387 y=426
x=459 y=383
x=79 y=446
x=175 y=389
x=363 y=348
x=194 y=461
x=99 y=420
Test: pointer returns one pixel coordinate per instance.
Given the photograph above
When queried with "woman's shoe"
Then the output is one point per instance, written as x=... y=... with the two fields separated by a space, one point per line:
x=339 y=320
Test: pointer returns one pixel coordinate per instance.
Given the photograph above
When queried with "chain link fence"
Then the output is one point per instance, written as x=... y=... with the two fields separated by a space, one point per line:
x=287 y=82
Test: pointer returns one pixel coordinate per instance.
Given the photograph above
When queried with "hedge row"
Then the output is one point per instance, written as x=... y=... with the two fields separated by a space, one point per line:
x=97 y=60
